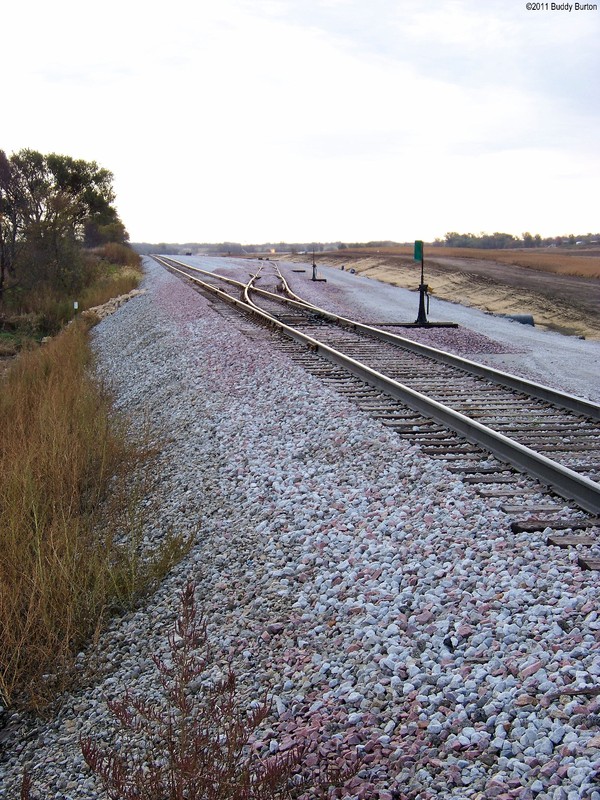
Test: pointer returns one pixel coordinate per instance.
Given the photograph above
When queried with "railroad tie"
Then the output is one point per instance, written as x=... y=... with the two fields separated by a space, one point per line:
x=532 y=524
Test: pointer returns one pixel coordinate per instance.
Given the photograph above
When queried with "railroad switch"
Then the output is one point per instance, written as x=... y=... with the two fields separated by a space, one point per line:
x=314 y=275
x=423 y=293
x=422 y=321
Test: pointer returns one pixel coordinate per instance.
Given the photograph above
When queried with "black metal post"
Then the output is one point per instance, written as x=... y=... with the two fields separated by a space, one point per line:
x=422 y=316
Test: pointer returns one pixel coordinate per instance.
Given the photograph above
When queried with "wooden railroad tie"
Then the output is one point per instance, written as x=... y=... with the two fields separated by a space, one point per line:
x=571 y=540
x=589 y=562
x=531 y=525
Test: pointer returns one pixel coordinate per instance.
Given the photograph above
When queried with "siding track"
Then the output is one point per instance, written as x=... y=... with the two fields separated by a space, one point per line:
x=489 y=426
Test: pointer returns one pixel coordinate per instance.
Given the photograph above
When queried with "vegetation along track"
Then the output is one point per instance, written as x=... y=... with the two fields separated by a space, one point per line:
x=490 y=426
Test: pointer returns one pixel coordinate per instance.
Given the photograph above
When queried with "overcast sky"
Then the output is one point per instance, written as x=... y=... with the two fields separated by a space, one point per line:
x=315 y=120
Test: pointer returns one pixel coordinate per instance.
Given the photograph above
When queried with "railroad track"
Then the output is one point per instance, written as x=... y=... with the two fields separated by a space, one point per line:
x=492 y=428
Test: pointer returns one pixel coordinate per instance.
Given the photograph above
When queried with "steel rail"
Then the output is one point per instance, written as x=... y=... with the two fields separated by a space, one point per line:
x=562 y=480
x=561 y=399
x=570 y=402
x=164 y=262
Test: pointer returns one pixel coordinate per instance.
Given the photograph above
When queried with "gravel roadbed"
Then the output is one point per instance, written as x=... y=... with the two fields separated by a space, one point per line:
x=386 y=608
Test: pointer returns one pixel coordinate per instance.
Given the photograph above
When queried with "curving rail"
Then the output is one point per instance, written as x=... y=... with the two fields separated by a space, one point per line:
x=563 y=480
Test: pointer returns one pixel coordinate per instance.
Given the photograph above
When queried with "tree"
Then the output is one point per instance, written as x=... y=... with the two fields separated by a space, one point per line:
x=454 y=239
x=100 y=230
x=8 y=219
x=494 y=241
x=49 y=206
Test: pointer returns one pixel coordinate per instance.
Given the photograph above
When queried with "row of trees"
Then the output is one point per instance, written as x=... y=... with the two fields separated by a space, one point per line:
x=500 y=241
x=51 y=207
x=492 y=241
x=233 y=248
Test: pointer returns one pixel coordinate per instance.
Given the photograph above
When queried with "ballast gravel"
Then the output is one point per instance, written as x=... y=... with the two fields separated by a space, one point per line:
x=387 y=609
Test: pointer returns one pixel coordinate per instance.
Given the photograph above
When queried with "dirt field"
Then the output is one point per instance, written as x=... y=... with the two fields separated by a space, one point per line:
x=568 y=303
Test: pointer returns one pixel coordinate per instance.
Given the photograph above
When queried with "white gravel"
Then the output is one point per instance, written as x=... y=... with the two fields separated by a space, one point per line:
x=387 y=609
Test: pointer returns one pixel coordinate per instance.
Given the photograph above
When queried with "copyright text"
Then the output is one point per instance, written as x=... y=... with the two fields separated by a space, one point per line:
x=561 y=6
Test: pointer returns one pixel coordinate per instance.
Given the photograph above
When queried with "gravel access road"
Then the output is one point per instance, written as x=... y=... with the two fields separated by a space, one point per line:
x=386 y=608
x=567 y=304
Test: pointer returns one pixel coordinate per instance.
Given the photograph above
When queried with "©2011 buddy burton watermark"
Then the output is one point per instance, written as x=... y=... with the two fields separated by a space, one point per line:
x=561 y=6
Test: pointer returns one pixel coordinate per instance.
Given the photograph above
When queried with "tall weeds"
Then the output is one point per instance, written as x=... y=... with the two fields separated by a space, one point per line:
x=110 y=285
x=62 y=453
x=190 y=742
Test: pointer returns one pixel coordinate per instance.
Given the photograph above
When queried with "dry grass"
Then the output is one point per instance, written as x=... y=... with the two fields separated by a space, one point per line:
x=120 y=254
x=562 y=261
x=113 y=285
x=60 y=571
x=118 y=271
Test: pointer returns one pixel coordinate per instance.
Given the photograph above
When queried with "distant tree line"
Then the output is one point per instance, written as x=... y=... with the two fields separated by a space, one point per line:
x=51 y=208
x=232 y=248
x=237 y=249
x=491 y=241
x=501 y=241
